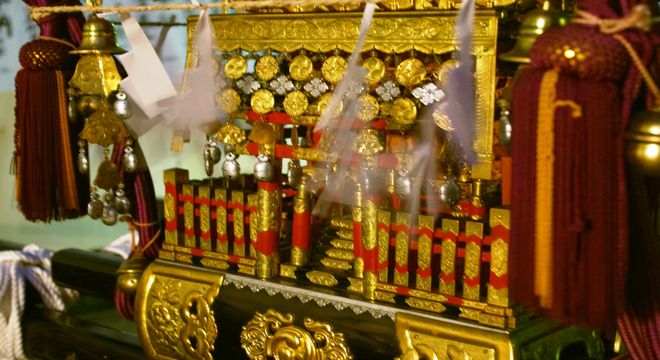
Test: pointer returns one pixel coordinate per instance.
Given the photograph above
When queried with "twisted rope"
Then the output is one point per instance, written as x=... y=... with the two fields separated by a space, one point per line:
x=32 y=263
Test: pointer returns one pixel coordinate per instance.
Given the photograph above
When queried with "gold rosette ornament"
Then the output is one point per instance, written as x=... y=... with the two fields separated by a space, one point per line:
x=301 y=68
x=333 y=68
x=230 y=134
x=368 y=108
x=229 y=100
x=104 y=128
x=267 y=67
x=235 y=67
x=295 y=103
x=375 y=69
x=403 y=113
x=262 y=101
x=410 y=72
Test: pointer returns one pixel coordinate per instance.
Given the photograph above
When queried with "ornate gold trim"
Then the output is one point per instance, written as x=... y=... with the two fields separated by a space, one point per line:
x=321 y=278
x=273 y=335
x=173 y=311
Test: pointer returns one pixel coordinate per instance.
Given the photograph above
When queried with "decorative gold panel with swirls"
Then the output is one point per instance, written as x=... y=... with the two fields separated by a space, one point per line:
x=273 y=335
x=173 y=311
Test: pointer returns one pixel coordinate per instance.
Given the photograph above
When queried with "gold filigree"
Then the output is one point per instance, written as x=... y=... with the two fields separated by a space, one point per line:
x=189 y=215
x=221 y=220
x=340 y=254
x=301 y=68
x=205 y=215
x=383 y=243
x=427 y=305
x=410 y=72
x=262 y=101
x=230 y=134
x=342 y=244
x=424 y=244
x=237 y=197
x=104 y=127
x=229 y=100
x=498 y=297
x=214 y=263
x=273 y=335
x=401 y=248
x=333 y=68
x=235 y=67
x=266 y=67
x=367 y=143
x=336 y=264
x=499 y=256
x=295 y=103
x=368 y=108
x=173 y=311
x=321 y=278
x=169 y=207
x=385 y=296
x=254 y=220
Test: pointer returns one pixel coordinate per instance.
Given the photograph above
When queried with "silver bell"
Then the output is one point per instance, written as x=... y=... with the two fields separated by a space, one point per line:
x=230 y=168
x=212 y=151
x=122 y=203
x=71 y=109
x=449 y=192
x=263 y=170
x=109 y=216
x=95 y=206
x=208 y=166
x=294 y=174
x=83 y=162
x=129 y=160
x=403 y=184
x=121 y=105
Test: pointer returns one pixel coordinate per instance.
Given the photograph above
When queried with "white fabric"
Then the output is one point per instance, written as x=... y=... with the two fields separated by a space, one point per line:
x=121 y=246
x=31 y=264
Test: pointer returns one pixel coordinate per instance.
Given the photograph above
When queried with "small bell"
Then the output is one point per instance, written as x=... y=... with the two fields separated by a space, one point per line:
x=122 y=203
x=449 y=192
x=294 y=174
x=263 y=170
x=109 y=216
x=71 y=109
x=211 y=156
x=129 y=160
x=121 y=105
x=208 y=166
x=95 y=206
x=230 y=168
x=83 y=162
x=129 y=274
x=403 y=184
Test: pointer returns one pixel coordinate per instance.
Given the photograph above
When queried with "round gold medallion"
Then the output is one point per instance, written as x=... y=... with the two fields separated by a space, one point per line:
x=333 y=68
x=368 y=108
x=295 y=103
x=442 y=74
x=375 y=69
x=262 y=101
x=323 y=104
x=410 y=72
x=301 y=68
x=267 y=67
x=235 y=67
x=228 y=100
x=403 y=112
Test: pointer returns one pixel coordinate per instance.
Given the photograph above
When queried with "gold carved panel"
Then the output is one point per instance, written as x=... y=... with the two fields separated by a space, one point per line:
x=273 y=335
x=173 y=311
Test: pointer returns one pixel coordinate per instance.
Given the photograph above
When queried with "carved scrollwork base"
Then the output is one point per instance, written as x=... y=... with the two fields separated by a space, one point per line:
x=174 y=316
x=273 y=335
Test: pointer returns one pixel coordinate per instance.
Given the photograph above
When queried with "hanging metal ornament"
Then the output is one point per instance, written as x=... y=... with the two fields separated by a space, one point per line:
x=121 y=105
x=109 y=216
x=95 y=205
x=83 y=162
x=122 y=203
x=294 y=173
x=403 y=184
x=212 y=156
x=71 y=110
x=129 y=159
x=449 y=192
x=230 y=168
x=263 y=170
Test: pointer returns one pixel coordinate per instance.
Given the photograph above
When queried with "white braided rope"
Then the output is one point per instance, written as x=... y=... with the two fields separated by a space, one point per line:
x=32 y=263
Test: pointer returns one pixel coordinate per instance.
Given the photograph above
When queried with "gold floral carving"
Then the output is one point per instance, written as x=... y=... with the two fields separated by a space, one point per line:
x=424 y=245
x=499 y=297
x=228 y=100
x=221 y=220
x=295 y=103
x=230 y=134
x=427 y=305
x=336 y=264
x=367 y=143
x=268 y=205
x=104 y=127
x=239 y=221
x=369 y=225
x=273 y=335
x=189 y=214
x=321 y=278
x=267 y=67
x=342 y=244
x=299 y=256
x=448 y=260
x=169 y=207
x=340 y=254
x=499 y=256
x=383 y=243
x=174 y=316
x=401 y=248
x=410 y=72
x=205 y=215
x=333 y=68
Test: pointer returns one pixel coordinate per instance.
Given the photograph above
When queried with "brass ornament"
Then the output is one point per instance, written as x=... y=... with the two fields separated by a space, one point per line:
x=333 y=68
x=403 y=113
x=267 y=67
x=321 y=278
x=295 y=103
x=129 y=274
x=173 y=310
x=375 y=69
x=230 y=134
x=229 y=100
x=235 y=67
x=368 y=108
x=301 y=68
x=107 y=176
x=323 y=104
x=262 y=101
x=367 y=143
x=273 y=335
x=262 y=133
x=104 y=128
x=410 y=72
x=95 y=74
x=442 y=120
x=98 y=37
x=442 y=74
